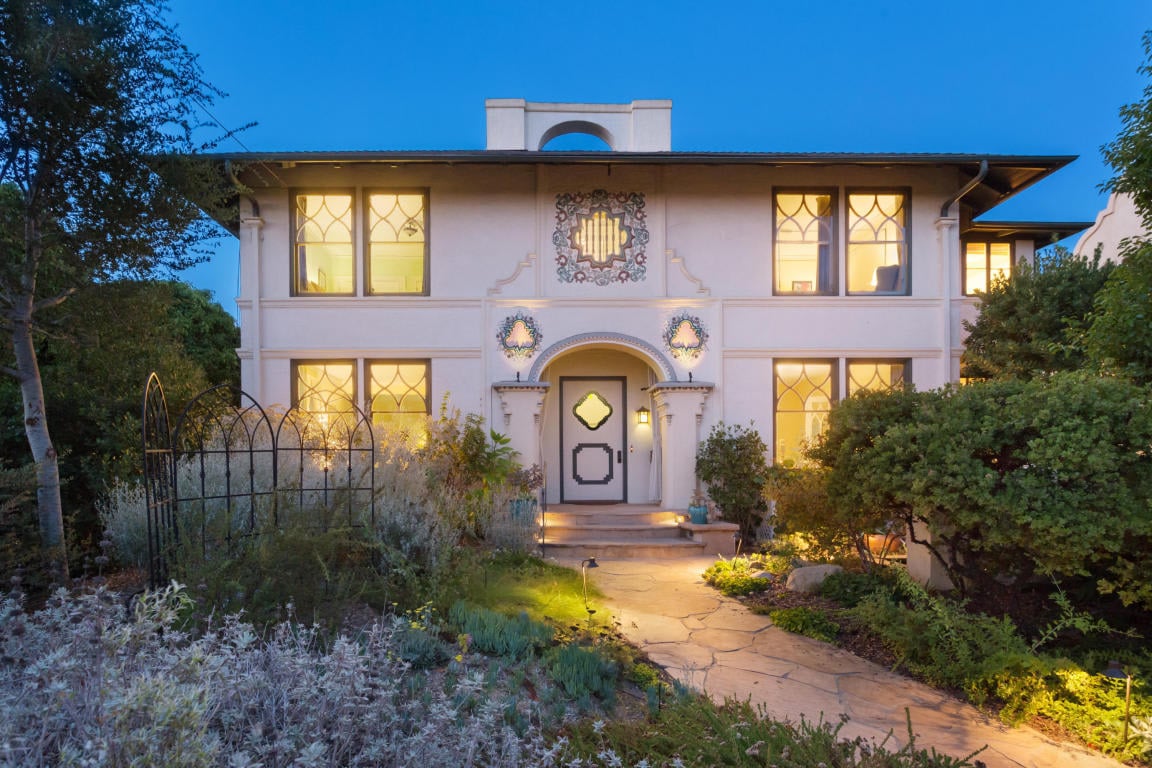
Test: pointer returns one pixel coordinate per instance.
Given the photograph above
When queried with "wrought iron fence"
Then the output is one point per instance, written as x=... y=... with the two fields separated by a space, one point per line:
x=226 y=471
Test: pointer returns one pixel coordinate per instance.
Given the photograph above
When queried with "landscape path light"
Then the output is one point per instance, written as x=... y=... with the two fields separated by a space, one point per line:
x=1116 y=672
x=584 y=566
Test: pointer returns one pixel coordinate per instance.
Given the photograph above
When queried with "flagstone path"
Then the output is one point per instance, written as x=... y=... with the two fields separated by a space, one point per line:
x=716 y=645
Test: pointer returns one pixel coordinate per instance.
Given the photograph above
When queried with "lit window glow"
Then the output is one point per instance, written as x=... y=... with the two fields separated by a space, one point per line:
x=877 y=242
x=876 y=375
x=397 y=245
x=323 y=252
x=984 y=264
x=803 y=245
x=805 y=391
x=601 y=237
x=398 y=395
x=326 y=390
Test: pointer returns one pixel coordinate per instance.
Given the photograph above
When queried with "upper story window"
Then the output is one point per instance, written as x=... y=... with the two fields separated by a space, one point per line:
x=877 y=252
x=323 y=250
x=397 y=244
x=984 y=264
x=395 y=250
x=803 y=226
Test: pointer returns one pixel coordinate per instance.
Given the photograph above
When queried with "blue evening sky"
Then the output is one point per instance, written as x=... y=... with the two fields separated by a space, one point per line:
x=1005 y=77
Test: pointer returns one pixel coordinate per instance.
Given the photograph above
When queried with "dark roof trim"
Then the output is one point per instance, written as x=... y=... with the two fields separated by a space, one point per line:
x=1041 y=233
x=504 y=156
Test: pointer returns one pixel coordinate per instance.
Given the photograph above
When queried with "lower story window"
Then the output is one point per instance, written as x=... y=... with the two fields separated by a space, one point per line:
x=876 y=375
x=805 y=391
x=325 y=389
x=398 y=394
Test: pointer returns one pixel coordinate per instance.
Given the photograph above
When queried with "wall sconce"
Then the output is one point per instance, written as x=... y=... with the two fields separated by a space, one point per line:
x=643 y=415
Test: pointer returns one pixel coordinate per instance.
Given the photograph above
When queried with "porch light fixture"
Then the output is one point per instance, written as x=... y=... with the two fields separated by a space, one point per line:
x=643 y=415
x=1116 y=672
x=584 y=566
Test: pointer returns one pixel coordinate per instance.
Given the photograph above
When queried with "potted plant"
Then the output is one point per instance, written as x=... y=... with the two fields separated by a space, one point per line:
x=698 y=509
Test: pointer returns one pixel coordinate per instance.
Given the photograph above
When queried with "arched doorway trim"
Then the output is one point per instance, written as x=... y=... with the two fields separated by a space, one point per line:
x=653 y=355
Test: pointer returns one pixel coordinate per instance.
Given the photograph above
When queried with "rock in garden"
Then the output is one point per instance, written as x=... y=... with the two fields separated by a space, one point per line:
x=809 y=578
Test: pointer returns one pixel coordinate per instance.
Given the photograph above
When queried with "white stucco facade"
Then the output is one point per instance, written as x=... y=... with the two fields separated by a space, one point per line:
x=491 y=225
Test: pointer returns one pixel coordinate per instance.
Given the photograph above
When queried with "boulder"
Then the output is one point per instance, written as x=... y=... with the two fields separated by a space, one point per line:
x=810 y=577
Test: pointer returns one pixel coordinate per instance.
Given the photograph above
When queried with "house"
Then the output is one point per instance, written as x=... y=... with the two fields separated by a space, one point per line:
x=1117 y=221
x=606 y=308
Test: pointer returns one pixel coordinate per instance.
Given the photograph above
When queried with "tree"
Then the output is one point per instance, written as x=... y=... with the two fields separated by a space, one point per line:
x=1012 y=478
x=97 y=160
x=1130 y=153
x=1118 y=339
x=1034 y=323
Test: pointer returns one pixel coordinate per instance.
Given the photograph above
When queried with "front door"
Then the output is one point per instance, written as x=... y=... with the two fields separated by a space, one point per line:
x=593 y=420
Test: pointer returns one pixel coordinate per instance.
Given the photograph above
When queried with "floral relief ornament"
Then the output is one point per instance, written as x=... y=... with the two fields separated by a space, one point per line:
x=685 y=337
x=519 y=336
x=600 y=237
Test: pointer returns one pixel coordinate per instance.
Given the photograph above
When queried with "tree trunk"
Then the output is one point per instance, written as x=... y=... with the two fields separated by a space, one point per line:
x=51 y=515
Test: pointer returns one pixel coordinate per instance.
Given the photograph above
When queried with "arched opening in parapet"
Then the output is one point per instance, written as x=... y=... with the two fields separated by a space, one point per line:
x=579 y=136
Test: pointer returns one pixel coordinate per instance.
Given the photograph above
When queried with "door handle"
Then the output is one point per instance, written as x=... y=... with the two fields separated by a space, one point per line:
x=619 y=457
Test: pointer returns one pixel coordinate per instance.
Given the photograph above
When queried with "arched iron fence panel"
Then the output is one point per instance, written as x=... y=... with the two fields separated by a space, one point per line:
x=327 y=462
x=224 y=474
x=159 y=481
x=225 y=470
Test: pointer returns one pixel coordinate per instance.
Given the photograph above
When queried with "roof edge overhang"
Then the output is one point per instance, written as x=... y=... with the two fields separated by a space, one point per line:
x=1041 y=233
x=1007 y=176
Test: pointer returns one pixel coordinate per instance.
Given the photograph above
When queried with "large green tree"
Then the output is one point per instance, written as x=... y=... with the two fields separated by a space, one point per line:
x=98 y=124
x=1130 y=153
x=1034 y=323
x=1050 y=475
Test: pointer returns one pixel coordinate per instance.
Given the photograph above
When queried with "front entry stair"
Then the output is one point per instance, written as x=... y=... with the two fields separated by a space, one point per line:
x=621 y=531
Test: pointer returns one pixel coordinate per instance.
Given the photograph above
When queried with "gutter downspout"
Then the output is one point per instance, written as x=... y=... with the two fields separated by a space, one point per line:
x=948 y=241
x=250 y=229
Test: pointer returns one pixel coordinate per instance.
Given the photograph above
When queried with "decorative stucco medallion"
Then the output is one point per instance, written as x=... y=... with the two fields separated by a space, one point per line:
x=600 y=237
x=519 y=336
x=685 y=337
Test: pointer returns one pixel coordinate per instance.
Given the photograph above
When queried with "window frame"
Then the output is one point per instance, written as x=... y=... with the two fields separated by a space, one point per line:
x=293 y=244
x=907 y=225
x=987 y=243
x=297 y=362
x=367 y=376
x=836 y=364
x=850 y=361
x=366 y=242
x=833 y=245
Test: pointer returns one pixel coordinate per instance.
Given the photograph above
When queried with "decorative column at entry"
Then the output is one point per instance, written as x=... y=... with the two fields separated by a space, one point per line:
x=523 y=404
x=680 y=408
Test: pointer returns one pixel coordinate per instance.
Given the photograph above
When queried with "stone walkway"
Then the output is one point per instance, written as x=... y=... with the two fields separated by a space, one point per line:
x=714 y=644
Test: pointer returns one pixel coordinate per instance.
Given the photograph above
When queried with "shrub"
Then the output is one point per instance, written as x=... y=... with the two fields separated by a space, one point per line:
x=583 y=673
x=803 y=507
x=802 y=620
x=731 y=463
x=493 y=633
x=849 y=589
x=738 y=576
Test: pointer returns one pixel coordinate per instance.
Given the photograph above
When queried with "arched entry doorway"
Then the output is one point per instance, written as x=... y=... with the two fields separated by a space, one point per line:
x=578 y=414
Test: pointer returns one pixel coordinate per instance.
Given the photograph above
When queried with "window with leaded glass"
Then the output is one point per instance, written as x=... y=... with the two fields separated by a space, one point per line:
x=324 y=388
x=877 y=251
x=876 y=375
x=803 y=227
x=805 y=391
x=397 y=242
x=322 y=246
x=398 y=394
x=984 y=264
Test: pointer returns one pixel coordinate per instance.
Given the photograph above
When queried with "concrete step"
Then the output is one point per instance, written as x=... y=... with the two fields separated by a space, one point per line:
x=565 y=531
x=623 y=549
x=609 y=516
